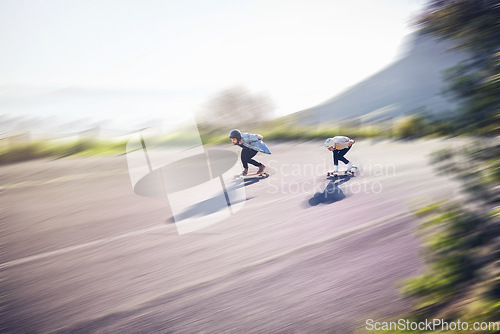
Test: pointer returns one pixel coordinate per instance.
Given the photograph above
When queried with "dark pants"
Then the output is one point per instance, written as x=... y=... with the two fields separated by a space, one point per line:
x=339 y=155
x=246 y=157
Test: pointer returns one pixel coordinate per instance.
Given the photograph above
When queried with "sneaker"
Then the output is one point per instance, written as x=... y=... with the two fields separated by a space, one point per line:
x=245 y=172
x=349 y=165
x=261 y=169
x=335 y=168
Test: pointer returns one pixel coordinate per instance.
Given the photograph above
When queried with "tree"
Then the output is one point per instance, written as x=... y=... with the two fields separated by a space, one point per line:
x=237 y=107
x=473 y=25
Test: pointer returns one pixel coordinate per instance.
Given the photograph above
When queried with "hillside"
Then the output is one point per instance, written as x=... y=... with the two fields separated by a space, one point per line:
x=412 y=84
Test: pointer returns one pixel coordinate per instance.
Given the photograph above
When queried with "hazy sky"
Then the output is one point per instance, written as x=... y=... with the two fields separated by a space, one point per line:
x=115 y=58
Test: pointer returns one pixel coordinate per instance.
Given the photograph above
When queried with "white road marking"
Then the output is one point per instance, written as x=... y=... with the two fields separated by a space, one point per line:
x=357 y=229
x=342 y=235
x=77 y=247
x=66 y=178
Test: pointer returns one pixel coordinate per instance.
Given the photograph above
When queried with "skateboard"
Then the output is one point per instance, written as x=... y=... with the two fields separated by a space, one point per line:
x=350 y=172
x=252 y=176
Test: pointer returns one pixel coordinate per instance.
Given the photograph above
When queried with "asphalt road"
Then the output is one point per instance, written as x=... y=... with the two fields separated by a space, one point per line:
x=83 y=253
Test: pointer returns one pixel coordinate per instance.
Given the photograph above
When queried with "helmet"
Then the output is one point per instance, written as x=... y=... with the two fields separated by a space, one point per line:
x=329 y=143
x=235 y=134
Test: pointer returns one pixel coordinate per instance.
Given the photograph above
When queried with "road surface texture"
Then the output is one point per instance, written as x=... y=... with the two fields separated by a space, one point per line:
x=84 y=253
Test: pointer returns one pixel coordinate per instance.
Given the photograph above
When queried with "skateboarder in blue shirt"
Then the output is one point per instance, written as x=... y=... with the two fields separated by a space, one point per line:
x=248 y=142
x=339 y=145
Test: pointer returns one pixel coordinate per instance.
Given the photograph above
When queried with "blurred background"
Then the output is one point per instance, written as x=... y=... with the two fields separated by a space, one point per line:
x=415 y=83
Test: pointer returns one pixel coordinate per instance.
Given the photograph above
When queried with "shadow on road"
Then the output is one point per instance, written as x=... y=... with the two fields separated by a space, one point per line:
x=332 y=192
x=211 y=205
x=251 y=181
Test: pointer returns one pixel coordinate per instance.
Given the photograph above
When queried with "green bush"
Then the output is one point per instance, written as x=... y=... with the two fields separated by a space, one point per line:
x=460 y=243
x=410 y=127
x=38 y=149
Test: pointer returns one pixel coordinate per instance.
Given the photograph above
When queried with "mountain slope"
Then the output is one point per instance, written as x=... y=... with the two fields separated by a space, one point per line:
x=412 y=83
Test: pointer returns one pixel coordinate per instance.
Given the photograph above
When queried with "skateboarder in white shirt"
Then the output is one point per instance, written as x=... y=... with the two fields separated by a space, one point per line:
x=340 y=145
